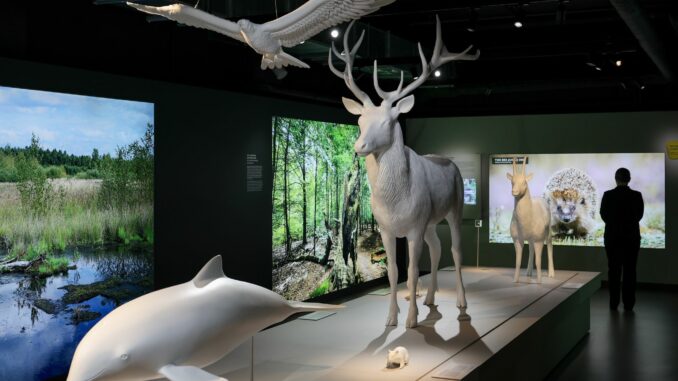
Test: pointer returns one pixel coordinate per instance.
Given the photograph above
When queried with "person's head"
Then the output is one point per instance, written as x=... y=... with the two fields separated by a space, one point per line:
x=622 y=176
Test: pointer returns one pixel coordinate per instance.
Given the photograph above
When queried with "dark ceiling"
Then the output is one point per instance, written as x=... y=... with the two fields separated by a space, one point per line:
x=562 y=60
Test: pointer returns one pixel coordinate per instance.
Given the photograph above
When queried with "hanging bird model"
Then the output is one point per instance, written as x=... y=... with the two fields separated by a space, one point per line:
x=268 y=39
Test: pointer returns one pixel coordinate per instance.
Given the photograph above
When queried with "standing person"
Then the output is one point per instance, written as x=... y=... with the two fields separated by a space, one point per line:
x=621 y=209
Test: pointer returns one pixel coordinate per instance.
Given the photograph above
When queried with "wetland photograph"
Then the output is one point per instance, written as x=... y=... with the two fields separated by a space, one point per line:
x=76 y=222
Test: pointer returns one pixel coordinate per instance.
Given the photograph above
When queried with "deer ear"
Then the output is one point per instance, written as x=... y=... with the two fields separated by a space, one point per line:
x=352 y=106
x=529 y=177
x=405 y=105
x=509 y=176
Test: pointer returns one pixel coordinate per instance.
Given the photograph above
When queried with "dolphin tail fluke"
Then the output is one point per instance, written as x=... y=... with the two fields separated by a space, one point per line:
x=310 y=307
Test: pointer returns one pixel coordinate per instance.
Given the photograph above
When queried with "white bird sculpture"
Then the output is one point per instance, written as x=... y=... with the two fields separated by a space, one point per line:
x=269 y=38
x=176 y=331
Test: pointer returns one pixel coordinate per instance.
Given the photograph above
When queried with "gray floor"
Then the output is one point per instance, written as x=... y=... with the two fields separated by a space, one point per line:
x=642 y=345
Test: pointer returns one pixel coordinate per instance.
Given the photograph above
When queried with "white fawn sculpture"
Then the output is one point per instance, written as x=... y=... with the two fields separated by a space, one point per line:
x=411 y=194
x=531 y=222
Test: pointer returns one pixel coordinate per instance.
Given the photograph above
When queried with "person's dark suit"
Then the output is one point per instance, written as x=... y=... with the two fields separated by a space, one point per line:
x=621 y=209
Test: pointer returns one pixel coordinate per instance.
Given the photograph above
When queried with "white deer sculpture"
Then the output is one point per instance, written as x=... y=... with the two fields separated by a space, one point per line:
x=531 y=222
x=411 y=194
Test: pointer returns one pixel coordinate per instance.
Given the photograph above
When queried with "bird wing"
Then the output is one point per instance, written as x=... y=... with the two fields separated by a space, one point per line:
x=317 y=15
x=193 y=17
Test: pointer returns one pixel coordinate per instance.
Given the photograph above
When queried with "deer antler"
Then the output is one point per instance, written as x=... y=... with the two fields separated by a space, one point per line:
x=524 y=162
x=347 y=56
x=514 y=165
x=439 y=57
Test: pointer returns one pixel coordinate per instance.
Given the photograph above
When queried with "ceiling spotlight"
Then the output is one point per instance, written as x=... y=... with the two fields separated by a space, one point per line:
x=334 y=33
x=642 y=87
x=302 y=42
x=518 y=24
x=436 y=73
x=618 y=63
x=598 y=68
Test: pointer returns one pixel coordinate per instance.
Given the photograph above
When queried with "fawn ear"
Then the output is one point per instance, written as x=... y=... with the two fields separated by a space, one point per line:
x=529 y=177
x=352 y=106
x=509 y=176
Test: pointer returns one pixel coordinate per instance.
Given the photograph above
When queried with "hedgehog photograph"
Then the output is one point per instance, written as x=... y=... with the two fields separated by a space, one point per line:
x=572 y=185
x=571 y=195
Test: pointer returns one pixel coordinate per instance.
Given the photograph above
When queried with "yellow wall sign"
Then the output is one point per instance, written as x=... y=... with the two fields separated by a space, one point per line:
x=672 y=149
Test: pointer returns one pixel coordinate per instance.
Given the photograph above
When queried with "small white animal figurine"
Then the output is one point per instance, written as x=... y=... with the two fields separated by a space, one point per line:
x=176 y=331
x=398 y=357
x=411 y=194
x=531 y=222
x=267 y=39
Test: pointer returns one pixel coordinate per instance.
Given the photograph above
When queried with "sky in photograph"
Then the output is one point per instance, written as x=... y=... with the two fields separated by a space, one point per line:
x=72 y=123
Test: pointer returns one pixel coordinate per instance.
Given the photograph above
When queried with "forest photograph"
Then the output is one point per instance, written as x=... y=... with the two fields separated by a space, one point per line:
x=76 y=222
x=325 y=237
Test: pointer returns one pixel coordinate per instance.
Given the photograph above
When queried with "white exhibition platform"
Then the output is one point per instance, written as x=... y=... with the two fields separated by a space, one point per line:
x=517 y=331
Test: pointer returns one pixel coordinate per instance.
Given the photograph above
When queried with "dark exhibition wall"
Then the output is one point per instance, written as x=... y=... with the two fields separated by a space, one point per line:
x=540 y=134
x=202 y=141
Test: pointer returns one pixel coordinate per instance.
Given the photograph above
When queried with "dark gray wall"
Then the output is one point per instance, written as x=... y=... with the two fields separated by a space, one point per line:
x=202 y=137
x=576 y=133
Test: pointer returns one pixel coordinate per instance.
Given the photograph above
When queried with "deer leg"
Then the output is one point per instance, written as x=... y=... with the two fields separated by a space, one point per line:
x=530 y=261
x=518 y=243
x=433 y=242
x=455 y=229
x=415 y=242
x=389 y=241
x=549 y=249
x=538 y=248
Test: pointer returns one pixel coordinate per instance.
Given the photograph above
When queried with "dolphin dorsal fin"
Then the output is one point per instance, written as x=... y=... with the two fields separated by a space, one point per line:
x=211 y=271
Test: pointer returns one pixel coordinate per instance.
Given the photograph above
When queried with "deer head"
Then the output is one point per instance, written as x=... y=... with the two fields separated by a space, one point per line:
x=519 y=180
x=377 y=123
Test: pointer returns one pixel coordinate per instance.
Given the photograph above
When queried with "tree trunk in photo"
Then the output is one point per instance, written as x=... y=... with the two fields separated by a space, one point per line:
x=274 y=159
x=336 y=195
x=286 y=207
x=315 y=201
x=328 y=195
x=304 y=206
x=349 y=218
x=328 y=244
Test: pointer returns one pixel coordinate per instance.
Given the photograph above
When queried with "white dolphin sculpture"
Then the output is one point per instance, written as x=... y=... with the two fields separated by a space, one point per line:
x=176 y=331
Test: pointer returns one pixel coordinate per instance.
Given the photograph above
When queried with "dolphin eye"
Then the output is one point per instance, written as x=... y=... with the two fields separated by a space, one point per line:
x=124 y=357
